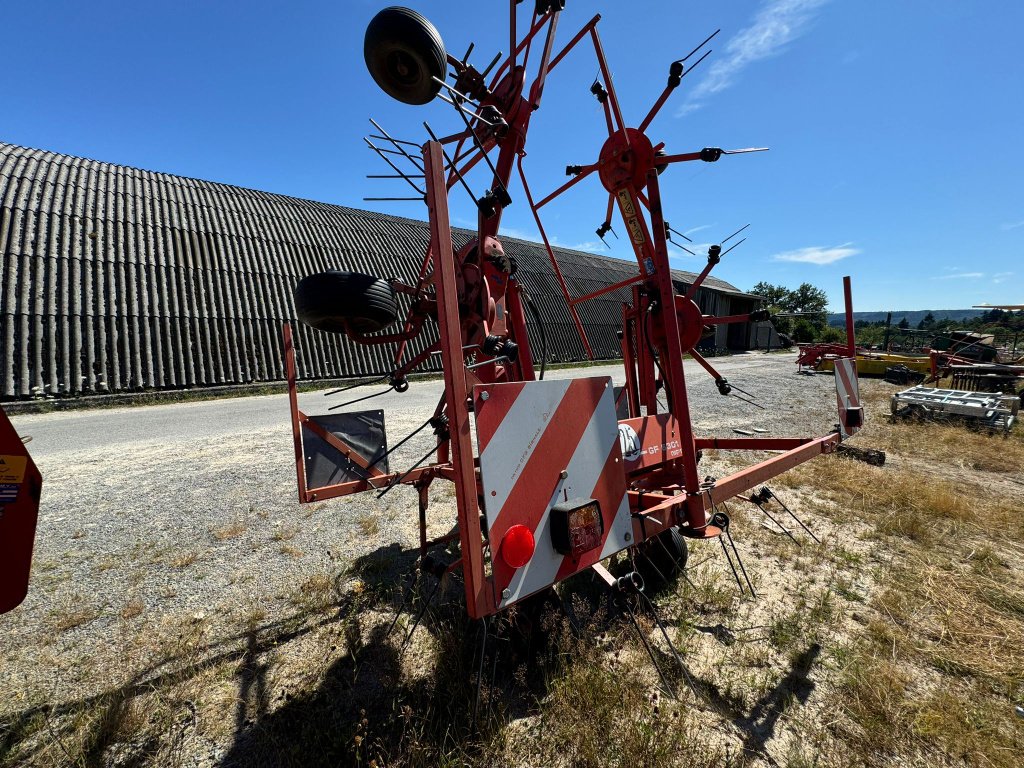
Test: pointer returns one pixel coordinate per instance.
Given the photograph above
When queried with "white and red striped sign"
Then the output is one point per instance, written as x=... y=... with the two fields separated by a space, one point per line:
x=542 y=443
x=851 y=412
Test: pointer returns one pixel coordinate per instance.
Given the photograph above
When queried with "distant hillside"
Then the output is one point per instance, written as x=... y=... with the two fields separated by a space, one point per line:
x=914 y=316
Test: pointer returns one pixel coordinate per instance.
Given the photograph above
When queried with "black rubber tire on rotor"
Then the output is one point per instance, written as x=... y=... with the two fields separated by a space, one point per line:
x=403 y=51
x=668 y=552
x=343 y=302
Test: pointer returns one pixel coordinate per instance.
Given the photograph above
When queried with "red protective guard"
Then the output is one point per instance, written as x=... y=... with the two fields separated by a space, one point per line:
x=20 y=486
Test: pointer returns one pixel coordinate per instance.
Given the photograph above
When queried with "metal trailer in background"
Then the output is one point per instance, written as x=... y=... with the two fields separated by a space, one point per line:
x=997 y=412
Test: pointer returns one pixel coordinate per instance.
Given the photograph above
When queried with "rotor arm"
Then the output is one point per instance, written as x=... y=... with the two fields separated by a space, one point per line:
x=583 y=172
x=554 y=262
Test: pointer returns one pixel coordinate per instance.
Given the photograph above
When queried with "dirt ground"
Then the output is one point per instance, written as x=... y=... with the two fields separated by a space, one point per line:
x=186 y=610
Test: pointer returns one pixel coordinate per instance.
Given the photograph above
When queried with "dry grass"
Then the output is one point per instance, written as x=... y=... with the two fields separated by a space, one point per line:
x=368 y=525
x=133 y=608
x=284 y=531
x=184 y=559
x=897 y=641
x=230 y=530
x=74 y=616
x=291 y=551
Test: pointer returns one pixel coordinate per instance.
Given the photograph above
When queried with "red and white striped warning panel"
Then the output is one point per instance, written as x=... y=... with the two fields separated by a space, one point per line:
x=553 y=482
x=851 y=412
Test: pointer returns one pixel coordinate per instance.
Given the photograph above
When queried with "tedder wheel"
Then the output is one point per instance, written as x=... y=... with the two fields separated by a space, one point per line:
x=667 y=553
x=340 y=302
x=402 y=51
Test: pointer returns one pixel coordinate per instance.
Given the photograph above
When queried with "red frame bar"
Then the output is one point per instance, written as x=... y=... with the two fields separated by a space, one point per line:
x=479 y=598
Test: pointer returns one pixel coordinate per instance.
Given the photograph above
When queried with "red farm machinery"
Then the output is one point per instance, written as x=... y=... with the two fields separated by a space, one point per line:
x=551 y=477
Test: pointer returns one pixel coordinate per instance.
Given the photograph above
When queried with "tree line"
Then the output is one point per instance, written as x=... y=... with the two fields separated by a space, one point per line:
x=802 y=314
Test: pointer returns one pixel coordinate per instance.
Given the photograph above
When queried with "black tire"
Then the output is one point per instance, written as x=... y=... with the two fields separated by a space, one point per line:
x=344 y=302
x=667 y=553
x=403 y=51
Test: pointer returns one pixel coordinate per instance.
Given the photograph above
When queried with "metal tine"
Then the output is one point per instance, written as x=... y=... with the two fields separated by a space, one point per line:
x=769 y=515
x=444 y=153
x=696 y=63
x=650 y=651
x=398 y=480
x=731 y=247
x=706 y=41
x=398 y=146
x=454 y=91
x=358 y=384
x=468 y=51
x=675 y=231
x=420 y=615
x=461 y=108
x=396 y=141
x=490 y=66
x=480 y=669
x=406 y=594
x=782 y=504
x=730 y=237
x=476 y=138
x=732 y=567
x=747 y=400
x=394 y=167
x=360 y=399
x=403 y=441
x=740 y=390
x=668 y=641
x=740 y=561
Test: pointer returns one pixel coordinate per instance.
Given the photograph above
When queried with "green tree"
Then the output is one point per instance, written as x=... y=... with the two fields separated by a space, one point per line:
x=927 y=322
x=904 y=324
x=774 y=295
x=807 y=299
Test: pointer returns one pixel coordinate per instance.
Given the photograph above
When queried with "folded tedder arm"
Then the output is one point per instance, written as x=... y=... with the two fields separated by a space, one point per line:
x=557 y=481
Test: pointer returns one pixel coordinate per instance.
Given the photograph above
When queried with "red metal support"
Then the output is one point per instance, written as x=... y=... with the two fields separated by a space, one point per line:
x=606 y=73
x=293 y=402
x=851 y=340
x=479 y=599
x=672 y=353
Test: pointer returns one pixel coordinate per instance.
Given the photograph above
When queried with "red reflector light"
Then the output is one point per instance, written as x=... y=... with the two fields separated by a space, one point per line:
x=576 y=526
x=517 y=546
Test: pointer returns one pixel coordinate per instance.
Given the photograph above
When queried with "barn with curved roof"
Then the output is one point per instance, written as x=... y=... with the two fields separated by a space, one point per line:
x=120 y=279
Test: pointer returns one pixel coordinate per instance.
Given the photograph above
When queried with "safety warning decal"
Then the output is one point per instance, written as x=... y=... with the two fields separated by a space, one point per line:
x=12 y=469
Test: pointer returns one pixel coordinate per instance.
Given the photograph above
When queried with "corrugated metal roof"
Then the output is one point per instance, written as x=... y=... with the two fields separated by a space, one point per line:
x=116 y=278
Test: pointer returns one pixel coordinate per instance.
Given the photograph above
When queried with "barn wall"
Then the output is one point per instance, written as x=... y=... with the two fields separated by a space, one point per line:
x=118 y=279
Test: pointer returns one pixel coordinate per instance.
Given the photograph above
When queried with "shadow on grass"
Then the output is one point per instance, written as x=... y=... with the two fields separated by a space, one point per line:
x=439 y=699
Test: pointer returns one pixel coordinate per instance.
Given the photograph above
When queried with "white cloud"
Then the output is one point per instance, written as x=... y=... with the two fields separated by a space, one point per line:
x=697 y=229
x=778 y=23
x=1012 y=225
x=817 y=255
x=959 y=276
x=1001 y=277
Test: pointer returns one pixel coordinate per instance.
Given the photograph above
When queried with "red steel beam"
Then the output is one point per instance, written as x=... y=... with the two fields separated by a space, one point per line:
x=479 y=597
x=293 y=403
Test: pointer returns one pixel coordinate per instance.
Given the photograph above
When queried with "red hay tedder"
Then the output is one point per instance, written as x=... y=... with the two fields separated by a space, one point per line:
x=557 y=482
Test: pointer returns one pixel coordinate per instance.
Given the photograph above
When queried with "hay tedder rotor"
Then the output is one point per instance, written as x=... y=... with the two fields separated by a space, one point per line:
x=551 y=477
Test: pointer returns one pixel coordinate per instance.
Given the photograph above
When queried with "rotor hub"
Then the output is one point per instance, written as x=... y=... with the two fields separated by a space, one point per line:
x=625 y=163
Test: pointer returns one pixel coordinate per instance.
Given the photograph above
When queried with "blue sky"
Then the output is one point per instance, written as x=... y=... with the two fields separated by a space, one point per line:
x=895 y=127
